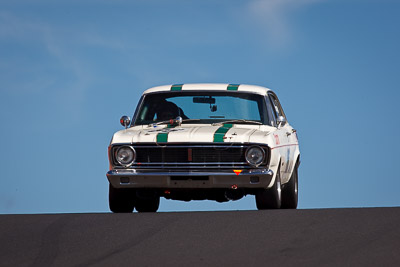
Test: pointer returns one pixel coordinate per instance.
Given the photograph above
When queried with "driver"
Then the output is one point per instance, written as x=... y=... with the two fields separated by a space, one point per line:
x=167 y=110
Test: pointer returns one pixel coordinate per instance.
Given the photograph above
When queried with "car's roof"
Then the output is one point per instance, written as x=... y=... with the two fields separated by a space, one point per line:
x=209 y=87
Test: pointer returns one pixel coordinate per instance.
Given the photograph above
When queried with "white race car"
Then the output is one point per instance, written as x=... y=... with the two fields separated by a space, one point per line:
x=204 y=141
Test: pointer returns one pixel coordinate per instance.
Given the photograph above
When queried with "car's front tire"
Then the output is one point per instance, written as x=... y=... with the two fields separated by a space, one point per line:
x=290 y=190
x=150 y=204
x=270 y=198
x=121 y=200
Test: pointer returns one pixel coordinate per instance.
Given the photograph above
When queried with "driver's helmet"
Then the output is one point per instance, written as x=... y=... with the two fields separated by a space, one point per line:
x=167 y=110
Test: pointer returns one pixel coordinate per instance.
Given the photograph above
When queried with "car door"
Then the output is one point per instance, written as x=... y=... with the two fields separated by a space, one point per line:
x=284 y=137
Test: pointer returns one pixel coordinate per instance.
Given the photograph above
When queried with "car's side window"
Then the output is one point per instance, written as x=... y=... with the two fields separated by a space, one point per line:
x=277 y=108
x=271 y=113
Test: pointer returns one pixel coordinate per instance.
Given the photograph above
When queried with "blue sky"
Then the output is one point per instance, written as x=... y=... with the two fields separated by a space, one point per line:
x=70 y=69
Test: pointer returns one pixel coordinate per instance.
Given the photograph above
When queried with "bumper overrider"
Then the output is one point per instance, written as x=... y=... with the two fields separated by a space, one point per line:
x=233 y=179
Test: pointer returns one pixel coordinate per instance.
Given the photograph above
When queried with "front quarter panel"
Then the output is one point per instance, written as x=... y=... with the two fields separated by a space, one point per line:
x=124 y=136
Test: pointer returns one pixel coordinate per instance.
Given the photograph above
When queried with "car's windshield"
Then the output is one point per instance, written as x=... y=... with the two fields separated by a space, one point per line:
x=201 y=107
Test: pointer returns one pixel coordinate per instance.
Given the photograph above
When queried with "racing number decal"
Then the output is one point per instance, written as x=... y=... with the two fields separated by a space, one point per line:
x=276 y=139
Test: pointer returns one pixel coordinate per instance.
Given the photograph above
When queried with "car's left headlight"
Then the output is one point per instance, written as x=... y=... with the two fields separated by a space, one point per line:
x=125 y=156
x=255 y=155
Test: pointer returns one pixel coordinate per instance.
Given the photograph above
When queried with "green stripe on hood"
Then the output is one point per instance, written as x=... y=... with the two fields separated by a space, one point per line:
x=220 y=133
x=163 y=136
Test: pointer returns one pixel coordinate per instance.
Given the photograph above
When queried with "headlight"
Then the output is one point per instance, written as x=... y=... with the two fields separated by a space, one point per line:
x=255 y=155
x=125 y=156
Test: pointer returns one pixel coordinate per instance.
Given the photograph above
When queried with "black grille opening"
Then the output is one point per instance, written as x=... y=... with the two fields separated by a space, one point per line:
x=194 y=155
x=187 y=155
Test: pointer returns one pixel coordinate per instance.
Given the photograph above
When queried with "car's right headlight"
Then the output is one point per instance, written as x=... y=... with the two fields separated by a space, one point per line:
x=125 y=156
x=255 y=155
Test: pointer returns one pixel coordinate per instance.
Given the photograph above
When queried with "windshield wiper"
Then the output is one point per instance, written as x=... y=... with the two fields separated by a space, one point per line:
x=189 y=120
x=238 y=121
x=177 y=121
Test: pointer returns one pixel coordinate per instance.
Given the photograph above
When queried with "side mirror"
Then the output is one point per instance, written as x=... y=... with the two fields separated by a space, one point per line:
x=178 y=120
x=281 y=121
x=125 y=121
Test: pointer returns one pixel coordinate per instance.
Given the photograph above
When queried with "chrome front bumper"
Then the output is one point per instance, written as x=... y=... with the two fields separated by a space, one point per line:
x=247 y=178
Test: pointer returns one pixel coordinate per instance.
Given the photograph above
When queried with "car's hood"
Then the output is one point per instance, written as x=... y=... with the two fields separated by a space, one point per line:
x=237 y=133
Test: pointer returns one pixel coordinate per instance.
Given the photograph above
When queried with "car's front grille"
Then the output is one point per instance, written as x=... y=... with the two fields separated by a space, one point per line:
x=190 y=156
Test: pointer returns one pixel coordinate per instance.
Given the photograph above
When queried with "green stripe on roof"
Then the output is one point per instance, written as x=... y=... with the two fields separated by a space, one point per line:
x=162 y=137
x=233 y=87
x=220 y=133
x=176 y=87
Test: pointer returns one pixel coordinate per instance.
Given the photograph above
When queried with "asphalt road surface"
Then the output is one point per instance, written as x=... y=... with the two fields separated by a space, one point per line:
x=324 y=237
